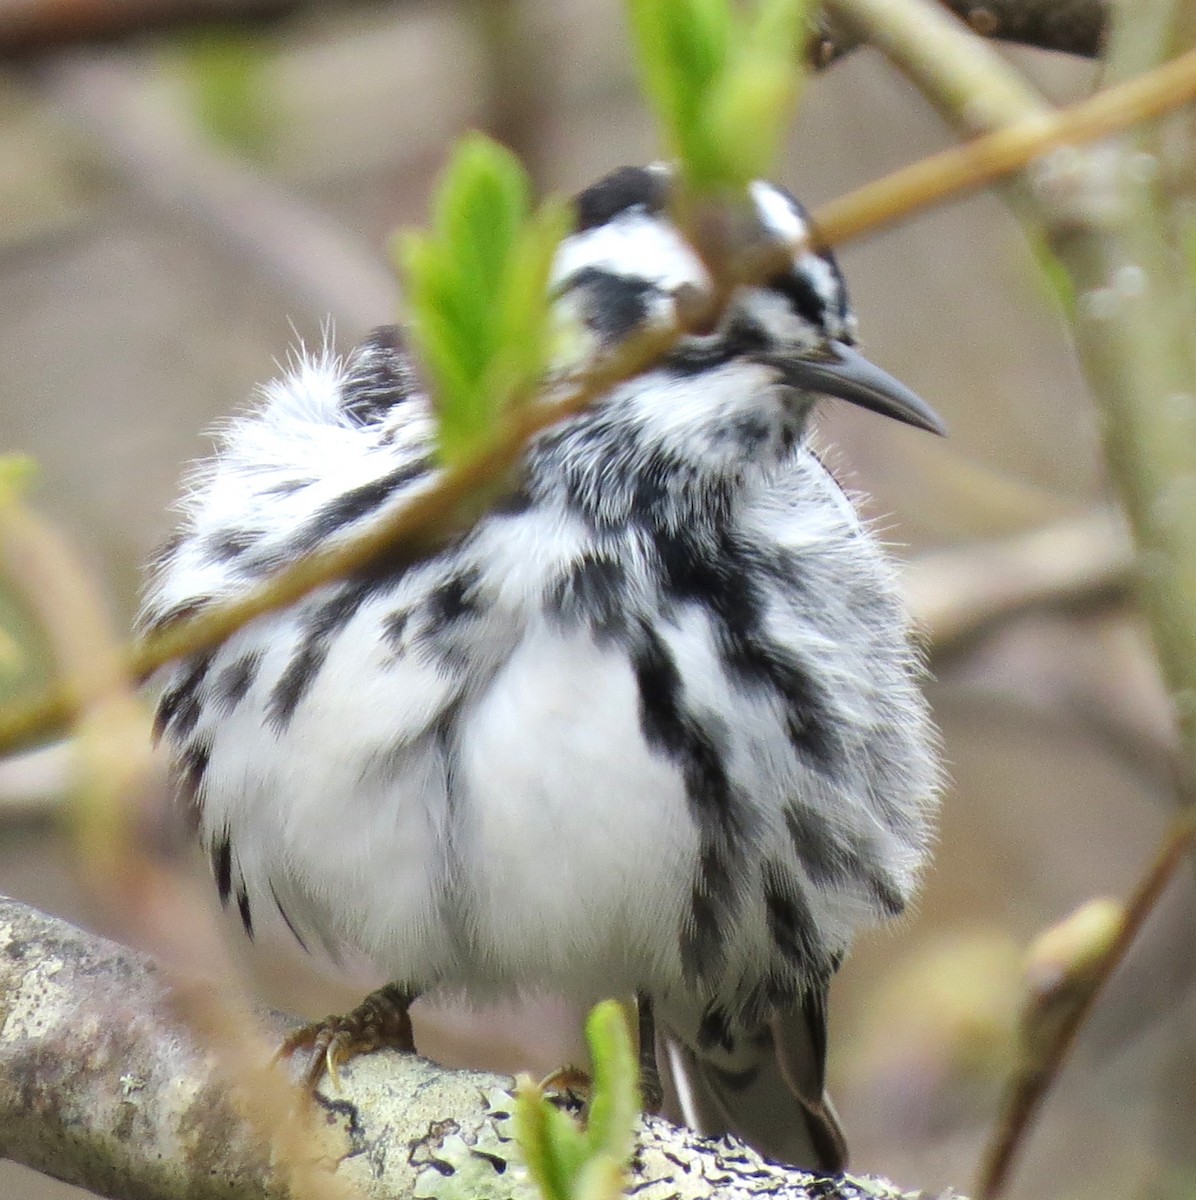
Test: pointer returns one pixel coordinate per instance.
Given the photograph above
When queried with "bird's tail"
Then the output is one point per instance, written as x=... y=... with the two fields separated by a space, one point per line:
x=768 y=1088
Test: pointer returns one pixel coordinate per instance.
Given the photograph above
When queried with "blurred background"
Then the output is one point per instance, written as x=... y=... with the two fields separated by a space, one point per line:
x=180 y=207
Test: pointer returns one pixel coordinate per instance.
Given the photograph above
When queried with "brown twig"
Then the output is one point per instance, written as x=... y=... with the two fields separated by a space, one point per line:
x=36 y=26
x=988 y=158
x=1056 y=1014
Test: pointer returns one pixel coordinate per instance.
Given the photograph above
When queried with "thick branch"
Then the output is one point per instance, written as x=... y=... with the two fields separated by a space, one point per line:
x=1069 y=26
x=33 y=26
x=101 y=1085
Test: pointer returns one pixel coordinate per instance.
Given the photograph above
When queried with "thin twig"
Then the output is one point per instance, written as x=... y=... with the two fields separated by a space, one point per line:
x=1035 y=1076
x=964 y=168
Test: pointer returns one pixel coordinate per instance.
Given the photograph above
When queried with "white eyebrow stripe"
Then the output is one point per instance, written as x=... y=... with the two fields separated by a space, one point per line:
x=633 y=243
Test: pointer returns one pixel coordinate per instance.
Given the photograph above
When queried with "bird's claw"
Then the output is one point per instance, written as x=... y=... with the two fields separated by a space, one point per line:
x=380 y=1021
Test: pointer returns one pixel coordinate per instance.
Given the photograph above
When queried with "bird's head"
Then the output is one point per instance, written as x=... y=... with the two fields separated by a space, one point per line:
x=789 y=339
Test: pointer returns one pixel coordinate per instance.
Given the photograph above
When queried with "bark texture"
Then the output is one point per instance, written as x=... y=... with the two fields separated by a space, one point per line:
x=102 y=1085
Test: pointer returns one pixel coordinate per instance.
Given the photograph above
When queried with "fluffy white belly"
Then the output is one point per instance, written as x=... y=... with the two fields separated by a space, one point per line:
x=573 y=846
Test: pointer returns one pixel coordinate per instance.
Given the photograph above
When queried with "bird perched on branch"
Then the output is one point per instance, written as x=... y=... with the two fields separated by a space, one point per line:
x=653 y=726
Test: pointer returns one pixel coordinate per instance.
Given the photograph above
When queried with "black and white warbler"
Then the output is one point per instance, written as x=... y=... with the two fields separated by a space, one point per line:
x=653 y=727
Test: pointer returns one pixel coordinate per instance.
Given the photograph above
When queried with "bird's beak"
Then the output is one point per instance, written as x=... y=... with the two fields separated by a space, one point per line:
x=837 y=369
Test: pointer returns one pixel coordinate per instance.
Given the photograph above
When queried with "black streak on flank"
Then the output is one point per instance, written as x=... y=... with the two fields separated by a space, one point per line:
x=222 y=867
x=394 y=626
x=456 y=598
x=619 y=192
x=790 y=922
x=294 y=682
x=718 y=575
x=235 y=680
x=377 y=377
x=354 y=504
x=712 y=909
x=192 y=766
x=301 y=671
x=717 y=809
x=180 y=706
x=833 y=858
x=244 y=909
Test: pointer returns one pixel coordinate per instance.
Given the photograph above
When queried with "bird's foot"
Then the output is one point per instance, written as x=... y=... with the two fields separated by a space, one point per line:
x=572 y=1084
x=380 y=1021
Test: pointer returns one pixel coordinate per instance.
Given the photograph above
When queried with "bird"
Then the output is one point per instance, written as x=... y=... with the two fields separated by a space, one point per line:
x=654 y=726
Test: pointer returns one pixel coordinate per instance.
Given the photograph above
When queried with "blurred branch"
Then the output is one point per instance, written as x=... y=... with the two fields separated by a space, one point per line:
x=456 y=497
x=956 y=595
x=32 y=785
x=103 y=1087
x=1132 y=316
x=1032 y=133
x=1068 y=26
x=1069 y=965
x=34 y=26
x=128 y=853
x=518 y=107
x=161 y=158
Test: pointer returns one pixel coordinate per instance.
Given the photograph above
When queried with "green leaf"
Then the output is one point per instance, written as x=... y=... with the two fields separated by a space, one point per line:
x=614 y=1104
x=477 y=291
x=565 y=1162
x=722 y=77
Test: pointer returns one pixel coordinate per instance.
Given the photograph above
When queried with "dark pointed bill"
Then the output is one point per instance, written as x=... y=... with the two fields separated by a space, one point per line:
x=845 y=373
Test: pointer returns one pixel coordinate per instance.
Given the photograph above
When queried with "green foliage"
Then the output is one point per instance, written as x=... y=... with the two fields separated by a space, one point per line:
x=570 y=1163
x=722 y=77
x=477 y=291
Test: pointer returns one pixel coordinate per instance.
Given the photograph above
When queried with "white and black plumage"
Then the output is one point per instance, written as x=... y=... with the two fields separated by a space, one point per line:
x=653 y=726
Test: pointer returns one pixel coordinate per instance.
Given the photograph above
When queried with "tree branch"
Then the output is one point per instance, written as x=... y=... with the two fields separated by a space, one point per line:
x=102 y=1085
x=1069 y=26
